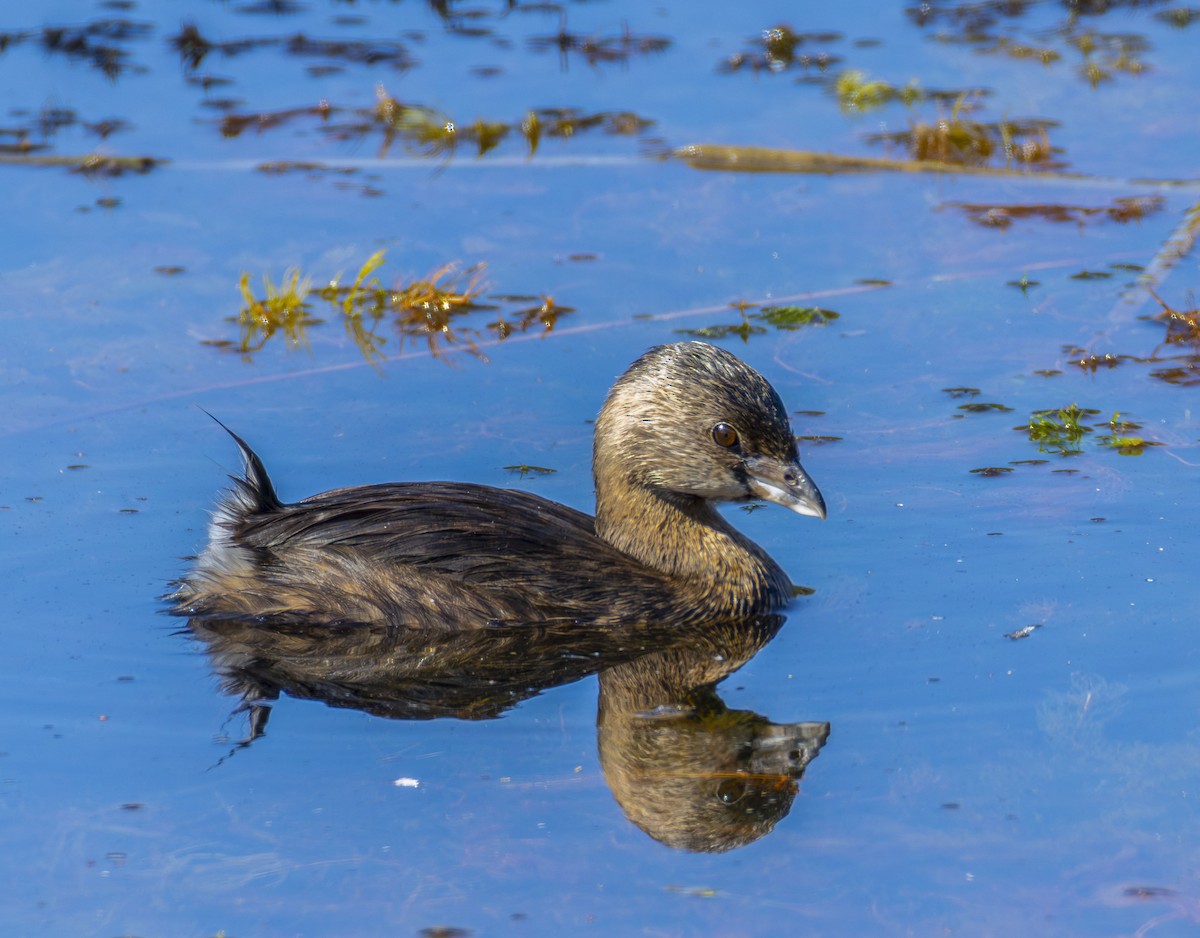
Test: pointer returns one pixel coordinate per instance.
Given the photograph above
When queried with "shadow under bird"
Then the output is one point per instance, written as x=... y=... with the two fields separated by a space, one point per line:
x=687 y=426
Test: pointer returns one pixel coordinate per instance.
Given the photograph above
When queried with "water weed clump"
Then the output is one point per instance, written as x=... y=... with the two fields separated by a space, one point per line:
x=436 y=309
x=959 y=140
x=992 y=27
x=1120 y=437
x=781 y=318
x=1063 y=431
x=779 y=49
x=426 y=132
x=425 y=307
x=1183 y=326
x=1122 y=211
x=285 y=309
x=1059 y=431
x=599 y=49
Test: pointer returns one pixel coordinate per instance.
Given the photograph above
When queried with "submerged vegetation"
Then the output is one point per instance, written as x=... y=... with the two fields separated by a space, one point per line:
x=1183 y=329
x=780 y=49
x=960 y=141
x=1121 y=210
x=194 y=48
x=984 y=407
x=856 y=92
x=284 y=309
x=1063 y=431
x=1060 y=431
x=957 y=135
x=99 y=44
x=785 y=318
x=427 y=132
x=29 y=140
x=988 y=27
x=1179 y=17
x=433 y=309
x=954 y=137
x=1183 y=326
x=36 y=129
x=599 y=49
x=922 y=129
x=1024 y=284
x=1120 y=437
x=524 y=471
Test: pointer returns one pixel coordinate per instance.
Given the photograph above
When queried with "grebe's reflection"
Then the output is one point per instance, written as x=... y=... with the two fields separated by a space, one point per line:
x=686 y=769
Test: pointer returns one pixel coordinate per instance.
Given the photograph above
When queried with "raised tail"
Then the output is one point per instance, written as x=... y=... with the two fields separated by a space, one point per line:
x=254 y=492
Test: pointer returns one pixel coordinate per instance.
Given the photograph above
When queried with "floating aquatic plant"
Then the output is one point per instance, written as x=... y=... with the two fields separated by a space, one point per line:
x=599 y=49
x=284 y=308
x=1179 y=17
x=525 y=471
x=1002 y=215
x=959 y=140
x=780 y=48
x=424 y=308
x=817 y=439
x=1059 y=431
x=428 y=132
x=1091 y=361
x=433 y=308
x=194 y=47
x=856 y=92
x=1120 y=437
x=795 y=317
x=989 y=27
x=445 y=290
x=546 y=313
x=1024 y=284
x=1182 y=325
x=1003 y=45
x=786 y=318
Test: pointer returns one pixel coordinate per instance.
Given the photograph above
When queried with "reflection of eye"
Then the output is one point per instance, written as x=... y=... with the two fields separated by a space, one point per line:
x=731 y=791
x=724 y=435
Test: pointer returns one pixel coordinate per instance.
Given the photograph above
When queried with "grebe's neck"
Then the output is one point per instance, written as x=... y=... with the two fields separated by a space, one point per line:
x=685 y=538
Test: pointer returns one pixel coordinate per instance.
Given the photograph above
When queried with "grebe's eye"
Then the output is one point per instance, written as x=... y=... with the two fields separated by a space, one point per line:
x=724 y=435
x=731 y=791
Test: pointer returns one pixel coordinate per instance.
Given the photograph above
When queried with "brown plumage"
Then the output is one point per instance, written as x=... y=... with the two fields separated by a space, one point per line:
x=687 y=425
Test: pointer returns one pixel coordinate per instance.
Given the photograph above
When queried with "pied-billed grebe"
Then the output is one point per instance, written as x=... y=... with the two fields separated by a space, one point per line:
x=686 y=426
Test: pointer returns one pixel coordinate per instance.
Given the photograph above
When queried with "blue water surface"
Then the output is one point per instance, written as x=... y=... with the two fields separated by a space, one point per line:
x=973 y=783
